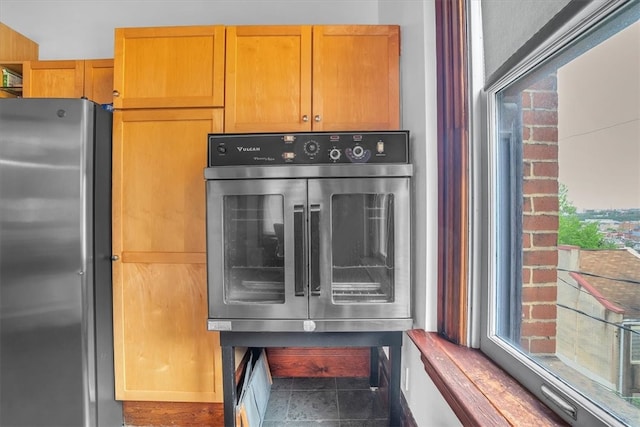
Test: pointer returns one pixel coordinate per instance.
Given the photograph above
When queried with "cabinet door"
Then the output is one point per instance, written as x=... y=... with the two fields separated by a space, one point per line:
x=169 y=67
x=98 y=80
x=53 y=79
x=356 y=77
x=163 y=351
x=268 y=79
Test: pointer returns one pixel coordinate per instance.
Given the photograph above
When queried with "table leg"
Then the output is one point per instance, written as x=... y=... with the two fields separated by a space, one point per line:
x=229 y=385
x=374 y=373
x=395 y=411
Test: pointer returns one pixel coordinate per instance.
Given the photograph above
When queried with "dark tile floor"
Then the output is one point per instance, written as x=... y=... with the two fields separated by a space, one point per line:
x=331 y=402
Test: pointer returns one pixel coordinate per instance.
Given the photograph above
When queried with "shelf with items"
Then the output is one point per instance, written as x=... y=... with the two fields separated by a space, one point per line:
x=11 y=80
x=15 y=48
x=12 y=92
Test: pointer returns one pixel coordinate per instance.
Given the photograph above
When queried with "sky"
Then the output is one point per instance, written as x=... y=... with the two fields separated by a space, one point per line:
x=599 y=124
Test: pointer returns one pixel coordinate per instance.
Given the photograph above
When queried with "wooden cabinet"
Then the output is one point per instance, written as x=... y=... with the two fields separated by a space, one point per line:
x=163 y=350
x=98 y=80
x=92 y=79
x=15 y=46
x=53 y=79
x=268 y=78
x=169 y=67
x=14 y=49
x=356 y=82
x=301 y=78
x=169 y=83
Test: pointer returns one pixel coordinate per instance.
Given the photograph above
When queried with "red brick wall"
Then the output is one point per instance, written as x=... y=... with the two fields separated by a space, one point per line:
x=540 y=216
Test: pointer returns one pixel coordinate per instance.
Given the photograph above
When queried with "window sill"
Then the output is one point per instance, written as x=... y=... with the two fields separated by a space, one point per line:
x=479 y=392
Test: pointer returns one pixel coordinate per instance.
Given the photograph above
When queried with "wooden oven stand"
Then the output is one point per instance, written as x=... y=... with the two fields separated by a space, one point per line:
x=373 y=340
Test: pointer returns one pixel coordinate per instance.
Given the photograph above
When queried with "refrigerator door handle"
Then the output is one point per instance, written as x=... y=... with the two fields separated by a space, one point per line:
x=314 y=256
x=298 y=249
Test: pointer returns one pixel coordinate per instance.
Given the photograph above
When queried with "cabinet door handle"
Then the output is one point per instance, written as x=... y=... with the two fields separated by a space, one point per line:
x=305 y=118
x=116 y=93
x=317 y=118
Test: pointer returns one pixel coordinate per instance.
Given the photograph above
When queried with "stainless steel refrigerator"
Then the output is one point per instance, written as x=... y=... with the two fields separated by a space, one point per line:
x=56 y=348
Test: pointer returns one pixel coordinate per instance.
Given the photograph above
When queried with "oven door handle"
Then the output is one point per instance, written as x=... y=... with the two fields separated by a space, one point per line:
x=299 y=249
x=314 y=237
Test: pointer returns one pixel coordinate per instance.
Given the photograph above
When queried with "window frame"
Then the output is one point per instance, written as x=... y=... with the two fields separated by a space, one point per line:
x=569 y=403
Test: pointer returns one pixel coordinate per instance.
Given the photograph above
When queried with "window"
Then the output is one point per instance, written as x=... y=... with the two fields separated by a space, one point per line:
x=562 y=217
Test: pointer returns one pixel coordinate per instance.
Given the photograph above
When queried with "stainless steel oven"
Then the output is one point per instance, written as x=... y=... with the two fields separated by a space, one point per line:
x=309 y=231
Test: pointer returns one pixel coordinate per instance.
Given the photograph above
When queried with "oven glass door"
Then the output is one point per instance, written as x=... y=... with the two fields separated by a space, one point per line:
x=359 y=233
x=253 y=230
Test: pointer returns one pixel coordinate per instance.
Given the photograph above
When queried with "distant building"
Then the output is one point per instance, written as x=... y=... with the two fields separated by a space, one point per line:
x=599 y=315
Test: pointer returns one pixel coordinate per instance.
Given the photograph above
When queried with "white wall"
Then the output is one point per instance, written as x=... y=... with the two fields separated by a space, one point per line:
x=83 y=29
x=510 y=24
x=419 y=108
x=418 y=100
x=427 y=405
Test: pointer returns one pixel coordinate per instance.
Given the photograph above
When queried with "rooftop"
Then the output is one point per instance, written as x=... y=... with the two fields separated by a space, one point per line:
x=615 y=274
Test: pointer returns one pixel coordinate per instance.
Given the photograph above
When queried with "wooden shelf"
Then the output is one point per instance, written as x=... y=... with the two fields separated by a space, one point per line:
x=15 y=91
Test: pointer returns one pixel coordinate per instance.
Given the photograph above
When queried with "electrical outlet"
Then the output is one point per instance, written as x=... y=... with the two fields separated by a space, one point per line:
x=406 y=379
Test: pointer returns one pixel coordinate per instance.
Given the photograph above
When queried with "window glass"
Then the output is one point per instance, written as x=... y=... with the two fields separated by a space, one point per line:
x=565 y=160
x=254 y=249
x=362 y=249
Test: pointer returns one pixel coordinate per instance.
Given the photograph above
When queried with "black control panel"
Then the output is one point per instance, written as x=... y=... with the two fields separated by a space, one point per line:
x=308 y=148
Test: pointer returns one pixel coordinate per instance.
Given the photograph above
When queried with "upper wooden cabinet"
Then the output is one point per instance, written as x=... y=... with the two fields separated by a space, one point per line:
x=98 y=80
x=356 y=83
x=301 y=78
x=16 y=47
x=169 y=67
x=268 y=78
x=53 y=79
x=92 y=79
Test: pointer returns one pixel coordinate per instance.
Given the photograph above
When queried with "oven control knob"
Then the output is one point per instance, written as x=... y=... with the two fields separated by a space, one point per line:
x=221 y=149
x=311 y=148
x=358 y=154
x=335 y=154
x=309 y=326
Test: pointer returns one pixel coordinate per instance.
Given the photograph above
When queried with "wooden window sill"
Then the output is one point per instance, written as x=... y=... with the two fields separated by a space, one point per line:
x=479 y=392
